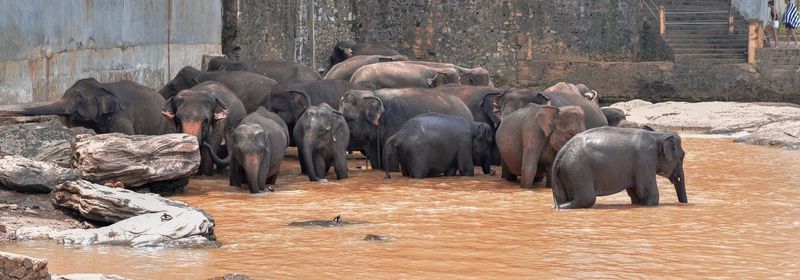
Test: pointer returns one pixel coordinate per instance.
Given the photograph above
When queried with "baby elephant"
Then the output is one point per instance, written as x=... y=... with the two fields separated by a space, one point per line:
x=257 y=146
x=434 y=143
x=606 y=160
x=322 y=136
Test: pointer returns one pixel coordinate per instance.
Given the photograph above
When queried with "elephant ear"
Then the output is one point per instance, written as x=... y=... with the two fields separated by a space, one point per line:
x=107 y=102
x=467 y=79
x=168 y=109
x=299 y=97
x=669 y=148
x=221 y=111
x=373 y=109
x=487 y=105
x=546 y=119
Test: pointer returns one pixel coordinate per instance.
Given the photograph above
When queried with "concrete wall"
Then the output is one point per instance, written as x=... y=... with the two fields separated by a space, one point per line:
x=45 y=45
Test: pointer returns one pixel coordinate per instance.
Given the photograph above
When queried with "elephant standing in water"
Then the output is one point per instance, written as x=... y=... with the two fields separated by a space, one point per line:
x=435 y=143
x=257 y=146
x=208 y=111
x=124 y=107
x=322 y=136
x=529 y=138
x=374 y=116
x=607 y=160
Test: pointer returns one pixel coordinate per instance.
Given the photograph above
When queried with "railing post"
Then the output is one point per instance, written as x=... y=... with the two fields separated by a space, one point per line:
x=730 y=19
x=755 y=35
x=662 y=20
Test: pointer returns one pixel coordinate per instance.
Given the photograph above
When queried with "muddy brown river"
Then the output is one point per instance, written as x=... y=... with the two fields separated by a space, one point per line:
x=743 y=220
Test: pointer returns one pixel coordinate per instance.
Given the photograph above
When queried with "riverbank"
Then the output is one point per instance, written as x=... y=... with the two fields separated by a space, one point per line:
x=766 y=124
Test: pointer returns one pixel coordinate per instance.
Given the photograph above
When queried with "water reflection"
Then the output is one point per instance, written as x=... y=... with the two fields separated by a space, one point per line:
x=743 y=219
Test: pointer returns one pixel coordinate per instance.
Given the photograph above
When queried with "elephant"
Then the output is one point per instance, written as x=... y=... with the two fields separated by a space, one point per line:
x=434 y=143
x=613 y=115
x=477 y=76
x=606 y=160
x=346 y=49
x=589 y=94
x=257 y=146
x=280 y=71
x=479 y=100
x=400 y=75
x=209 y=111
x=290 y=100
x=345 y=69
x=124 y=107
x=529 y=138
x=252 y=89
x=562 y=94
x=322 y=136
x=374 y=116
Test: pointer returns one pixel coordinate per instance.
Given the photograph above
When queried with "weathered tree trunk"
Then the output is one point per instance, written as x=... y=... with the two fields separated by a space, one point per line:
x=139 y=219
x=136 y=160
x=25 y=175
x=48 y=141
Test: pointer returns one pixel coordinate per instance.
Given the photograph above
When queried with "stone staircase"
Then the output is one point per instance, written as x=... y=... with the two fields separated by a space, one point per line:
x=697 y=31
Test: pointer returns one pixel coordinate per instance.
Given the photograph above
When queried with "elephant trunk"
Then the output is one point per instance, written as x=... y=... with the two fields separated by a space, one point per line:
x=252 y=167
x=679 y=180
x=221 y=162
x=308 y=156
x=389 y=156
x=486 y=164
x=193 y=128
x=55 y=108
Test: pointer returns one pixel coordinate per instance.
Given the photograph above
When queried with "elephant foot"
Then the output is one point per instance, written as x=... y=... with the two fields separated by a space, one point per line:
x=270 y=188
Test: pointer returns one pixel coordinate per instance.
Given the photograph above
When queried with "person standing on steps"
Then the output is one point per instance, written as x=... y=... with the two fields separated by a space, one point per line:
x=774 y=23
x=791 y=20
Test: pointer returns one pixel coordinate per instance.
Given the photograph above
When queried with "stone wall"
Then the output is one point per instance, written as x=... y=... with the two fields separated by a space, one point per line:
x=45 y=46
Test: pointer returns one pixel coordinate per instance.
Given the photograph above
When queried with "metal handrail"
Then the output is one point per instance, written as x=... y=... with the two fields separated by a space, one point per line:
x=651 y=9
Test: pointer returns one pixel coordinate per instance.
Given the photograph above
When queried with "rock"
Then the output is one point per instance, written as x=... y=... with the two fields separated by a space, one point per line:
x=711 y=116
x=34 y=233
x=373 y=237
x=8 y=206
x=140 y=220
x=335 y=222
x=25 y=175
x=48 y=141
x=232 y=276
x=2 y=228
x=13 y=266
x=785 y=134
x=87 y=277
x=136 y=160
x=628 y=106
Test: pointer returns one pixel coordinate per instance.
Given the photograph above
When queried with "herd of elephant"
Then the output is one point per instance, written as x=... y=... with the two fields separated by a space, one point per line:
x=416 y=117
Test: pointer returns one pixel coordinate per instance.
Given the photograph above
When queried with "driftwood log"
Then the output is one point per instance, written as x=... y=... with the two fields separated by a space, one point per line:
x=140 y=220
x=25 y=175
x=136 y=160
x=48 y=141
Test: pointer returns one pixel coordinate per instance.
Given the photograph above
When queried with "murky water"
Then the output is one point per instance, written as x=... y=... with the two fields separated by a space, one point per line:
x=743 y=220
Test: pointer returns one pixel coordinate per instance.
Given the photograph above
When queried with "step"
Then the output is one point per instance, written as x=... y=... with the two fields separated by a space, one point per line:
x=737 y=51
x=714 y=60
x=708 y=46
x=709 y=56
x=676 y=30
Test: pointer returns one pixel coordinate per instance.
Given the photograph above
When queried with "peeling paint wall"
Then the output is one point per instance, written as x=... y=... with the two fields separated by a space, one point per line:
x=45 y=46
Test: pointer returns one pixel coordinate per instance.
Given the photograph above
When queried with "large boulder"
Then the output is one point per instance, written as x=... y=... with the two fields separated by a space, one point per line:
x=48 y=140
x=25 y=175
x=13 y=266
x=139 y=219
x=136 y=160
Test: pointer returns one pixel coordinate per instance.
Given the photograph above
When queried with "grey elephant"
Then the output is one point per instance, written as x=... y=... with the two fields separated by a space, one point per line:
x=435 y=143
x=477 y=76
x=401 y=75
x=208 y=111
x=479 y=100
x=614 y=116
x=255 y=150
x=529 y=138
x=344 y=50
x=280 y=71
x=124 y=107
x=374 y=116
x=345 y=69
x=251 y=88
x=559 y=95
x=322 y=137
x=607 y=160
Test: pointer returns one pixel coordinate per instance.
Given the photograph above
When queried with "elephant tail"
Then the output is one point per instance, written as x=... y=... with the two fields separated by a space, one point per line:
x=390 y=154
x=221 y=162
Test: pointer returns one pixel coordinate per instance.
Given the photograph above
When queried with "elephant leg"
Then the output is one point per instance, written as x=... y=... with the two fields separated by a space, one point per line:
x=302 y=160
x=340 y=165
x=418 y=166
x=236 y=173
x=646 y=188
x=374 y=157
x=450 y=171
x=464 y=160
x=206 y=164
x=506 y=174
x=271 y=180
x=634 y=197
x=530 y=164
x=577 y=186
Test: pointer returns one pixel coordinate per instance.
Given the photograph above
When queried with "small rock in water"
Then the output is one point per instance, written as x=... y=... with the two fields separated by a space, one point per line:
x=232 y=276
x=335 y=222
x=373 y=237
